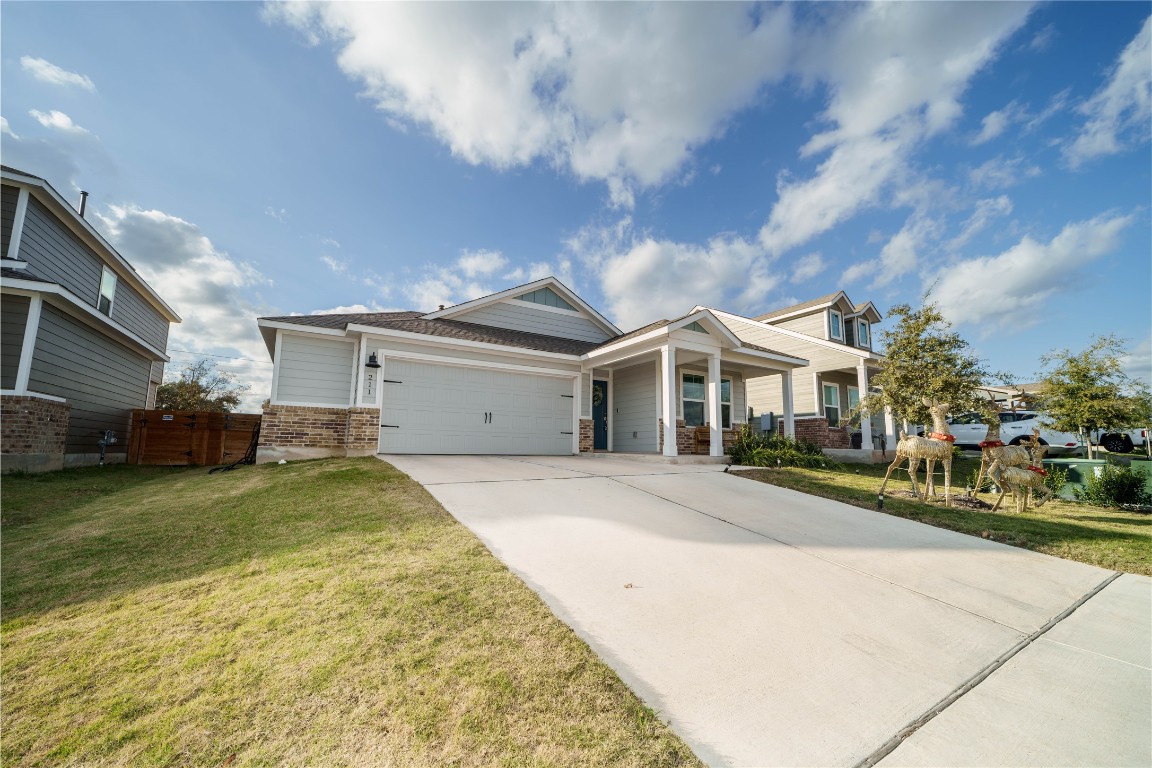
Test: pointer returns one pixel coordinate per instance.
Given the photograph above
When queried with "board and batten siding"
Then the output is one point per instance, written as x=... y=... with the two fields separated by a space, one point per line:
x=314 y=371
x=101 y=379
x=764 y=392
x=8 y=197
x=54 y=253
x=634 y=408
x=13 y=317
x=519 y=315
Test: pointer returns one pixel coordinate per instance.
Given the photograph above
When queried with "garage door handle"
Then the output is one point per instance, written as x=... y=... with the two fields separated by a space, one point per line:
x=565 y=433
x=391 y=426
x=390 y=381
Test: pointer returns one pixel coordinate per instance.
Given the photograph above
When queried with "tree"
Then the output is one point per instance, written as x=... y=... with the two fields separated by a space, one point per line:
x=200 y=387
x=1087 y=391
x=925 y=358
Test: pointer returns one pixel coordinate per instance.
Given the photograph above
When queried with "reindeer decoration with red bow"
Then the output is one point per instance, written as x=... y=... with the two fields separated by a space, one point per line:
x=937 y=446
x=1026 y=481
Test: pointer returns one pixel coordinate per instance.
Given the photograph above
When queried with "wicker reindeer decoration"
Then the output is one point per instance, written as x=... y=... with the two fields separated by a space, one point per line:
x=937 y=446
x=1023 y=481
x=992 y=450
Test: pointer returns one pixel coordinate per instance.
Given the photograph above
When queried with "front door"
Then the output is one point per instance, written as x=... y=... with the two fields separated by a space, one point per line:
x=600 y=415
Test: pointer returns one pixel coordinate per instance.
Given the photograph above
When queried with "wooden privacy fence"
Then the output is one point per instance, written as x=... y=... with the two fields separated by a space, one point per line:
x=178 y=438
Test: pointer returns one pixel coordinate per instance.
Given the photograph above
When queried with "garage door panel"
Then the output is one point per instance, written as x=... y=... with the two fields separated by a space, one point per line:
x=441 y=409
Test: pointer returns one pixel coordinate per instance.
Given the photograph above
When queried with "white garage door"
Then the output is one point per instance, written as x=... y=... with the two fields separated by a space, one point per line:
x=457 y=409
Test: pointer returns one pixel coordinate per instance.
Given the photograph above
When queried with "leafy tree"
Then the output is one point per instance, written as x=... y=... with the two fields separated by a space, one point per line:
x=925 y=358
x=200 y=387
x=1085 y=391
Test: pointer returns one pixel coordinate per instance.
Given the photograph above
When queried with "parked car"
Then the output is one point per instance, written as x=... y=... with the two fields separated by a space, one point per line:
x=970 y=429
x=1116 y=441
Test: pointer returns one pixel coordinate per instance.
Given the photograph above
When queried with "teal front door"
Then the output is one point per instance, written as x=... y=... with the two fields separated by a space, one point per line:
x=600 y=415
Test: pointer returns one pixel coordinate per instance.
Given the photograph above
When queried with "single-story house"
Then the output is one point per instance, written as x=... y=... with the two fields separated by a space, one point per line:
x=529 y=370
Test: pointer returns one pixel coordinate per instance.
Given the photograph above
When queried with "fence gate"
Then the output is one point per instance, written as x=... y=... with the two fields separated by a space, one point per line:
x=181 y=438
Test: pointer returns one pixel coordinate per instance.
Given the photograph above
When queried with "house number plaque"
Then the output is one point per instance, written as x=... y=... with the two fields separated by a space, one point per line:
x=370 y=384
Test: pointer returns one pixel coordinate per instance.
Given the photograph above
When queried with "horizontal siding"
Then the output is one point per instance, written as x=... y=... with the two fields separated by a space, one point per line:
x=765 y=395
x=54 y=253
x=524 y=316
x=315 y=371
x=13 y=316
x=101 y=379
x=810 y=325
x=399 y=347
x=8 y=197
x=634 y=408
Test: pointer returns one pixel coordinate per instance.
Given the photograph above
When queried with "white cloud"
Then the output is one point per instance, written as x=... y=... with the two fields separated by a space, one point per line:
x=48 y=72
x=995 y=123
x=1042 y=39
x=1138 y=362
x=210 y=290
x=1009 y=291
x=280 y=214
x=481 y=262
x=1001 y=173
x=58 y=120
x=351 y=309
x=1118 y=114
x=334 y=264
x=986 y=210
x=6 y=129
x=807 y=267
x=463 y=280
x=612 y=92
x=895 y=72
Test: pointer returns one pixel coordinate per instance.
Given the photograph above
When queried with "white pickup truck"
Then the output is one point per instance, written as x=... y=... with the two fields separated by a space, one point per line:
x=1116 y=441
x=969 y=429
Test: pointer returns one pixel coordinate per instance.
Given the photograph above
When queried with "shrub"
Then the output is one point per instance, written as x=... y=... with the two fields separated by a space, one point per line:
x=759 y=450
x=1056 y=479
x=1114 y=487
x=970 y=481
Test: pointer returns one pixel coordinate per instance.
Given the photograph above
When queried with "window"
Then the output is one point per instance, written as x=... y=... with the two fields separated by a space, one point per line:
x=107 y=292
x=835 y=325
x=853 y=398
x=832 y=404
x=863 y=335
x=693 y=394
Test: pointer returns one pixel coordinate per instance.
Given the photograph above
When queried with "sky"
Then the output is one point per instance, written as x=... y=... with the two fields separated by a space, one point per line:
x=266 y=159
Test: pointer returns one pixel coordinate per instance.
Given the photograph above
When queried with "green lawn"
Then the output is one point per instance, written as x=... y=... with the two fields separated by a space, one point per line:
x=316 y=613
x=1109 y=538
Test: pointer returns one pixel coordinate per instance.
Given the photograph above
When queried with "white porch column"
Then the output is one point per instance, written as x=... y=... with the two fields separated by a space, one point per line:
x=668 y=397
x=890 y=427
x=28 y=344
x=865 y=417
x=789 y=409
x=715 y=422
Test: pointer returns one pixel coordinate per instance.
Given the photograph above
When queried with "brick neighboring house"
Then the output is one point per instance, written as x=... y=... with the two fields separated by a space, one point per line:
x=82 y=335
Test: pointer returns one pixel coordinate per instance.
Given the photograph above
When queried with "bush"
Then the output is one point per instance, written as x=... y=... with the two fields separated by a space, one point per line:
x=970 y=481
x=1056 y=479
x=1114 y=487
x=759 y=450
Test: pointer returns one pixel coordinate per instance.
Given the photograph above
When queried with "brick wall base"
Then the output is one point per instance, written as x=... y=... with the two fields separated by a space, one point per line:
x=299 y=432
x=33 y=432
x=816 y=430
x=686 y=439
x=587 y=436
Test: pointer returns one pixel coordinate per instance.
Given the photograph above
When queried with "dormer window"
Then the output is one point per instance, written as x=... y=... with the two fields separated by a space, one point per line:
x=835 y=325
x=107 y=291
x=863 y=334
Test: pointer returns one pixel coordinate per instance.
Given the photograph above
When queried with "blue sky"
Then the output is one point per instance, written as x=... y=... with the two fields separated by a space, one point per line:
x=267 y=159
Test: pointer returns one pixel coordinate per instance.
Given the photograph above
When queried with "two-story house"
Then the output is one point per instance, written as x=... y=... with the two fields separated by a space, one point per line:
x=835 y=336
x=82 y=335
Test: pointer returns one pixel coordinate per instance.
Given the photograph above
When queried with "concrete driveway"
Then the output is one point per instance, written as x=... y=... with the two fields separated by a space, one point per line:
x=771 y=628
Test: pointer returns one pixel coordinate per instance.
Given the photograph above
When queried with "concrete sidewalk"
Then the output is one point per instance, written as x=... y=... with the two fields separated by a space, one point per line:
x=777 y=629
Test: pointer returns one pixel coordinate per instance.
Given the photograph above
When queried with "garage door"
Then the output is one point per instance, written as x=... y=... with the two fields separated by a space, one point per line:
x=433 y=408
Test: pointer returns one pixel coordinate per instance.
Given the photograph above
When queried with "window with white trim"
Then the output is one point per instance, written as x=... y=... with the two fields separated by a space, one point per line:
x=835 y=325
x=107 y=291
x=853 y=398
x=726 y=403
x=863 y=337
x=832 y=404
x=694 y=401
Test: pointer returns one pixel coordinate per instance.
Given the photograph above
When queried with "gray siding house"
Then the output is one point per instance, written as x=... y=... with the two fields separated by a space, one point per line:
x=82 y=335
x=530 y=370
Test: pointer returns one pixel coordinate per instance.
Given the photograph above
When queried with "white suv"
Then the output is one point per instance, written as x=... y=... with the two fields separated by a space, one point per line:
x=969 y=429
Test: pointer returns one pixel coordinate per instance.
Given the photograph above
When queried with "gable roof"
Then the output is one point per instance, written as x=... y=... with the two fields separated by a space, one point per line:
x=805 y=307
x=545 y=282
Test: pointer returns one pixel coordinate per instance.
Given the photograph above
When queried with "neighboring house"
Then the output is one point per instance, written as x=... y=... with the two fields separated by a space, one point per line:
x=835 y=336
x=529 y=370
x=83 y=336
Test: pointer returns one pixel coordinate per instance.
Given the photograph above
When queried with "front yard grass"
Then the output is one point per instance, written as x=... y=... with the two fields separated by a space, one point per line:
x=316 y=613
x=1109 y=538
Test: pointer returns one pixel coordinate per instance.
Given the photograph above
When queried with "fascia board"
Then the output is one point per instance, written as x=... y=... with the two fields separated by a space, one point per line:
x=46 y=193
x=551 y=282
x=445 y=342
x=71 y=303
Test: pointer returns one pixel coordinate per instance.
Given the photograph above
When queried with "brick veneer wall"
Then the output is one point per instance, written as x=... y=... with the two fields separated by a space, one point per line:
x=686 y=438
x=298 y=426
x=816 y=430
x=587 y=436
x=32 y=425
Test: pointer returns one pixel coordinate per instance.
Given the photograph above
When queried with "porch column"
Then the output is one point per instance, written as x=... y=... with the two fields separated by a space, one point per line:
x=789 y=410
x=668 y=397
x=865 y=417
x=715 y=421
x=890 y=427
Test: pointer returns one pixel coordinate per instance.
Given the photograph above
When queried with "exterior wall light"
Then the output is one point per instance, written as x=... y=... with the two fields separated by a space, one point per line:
x=372 y=361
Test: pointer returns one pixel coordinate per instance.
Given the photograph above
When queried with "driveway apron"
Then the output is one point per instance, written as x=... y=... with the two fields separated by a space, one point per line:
x=771 y=628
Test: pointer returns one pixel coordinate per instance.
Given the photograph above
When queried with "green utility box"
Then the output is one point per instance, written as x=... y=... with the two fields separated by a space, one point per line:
x=1079 y=470
x=1142 y=465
